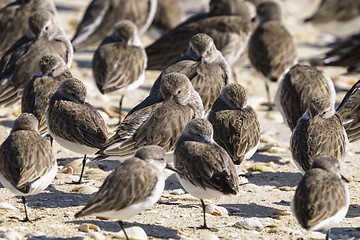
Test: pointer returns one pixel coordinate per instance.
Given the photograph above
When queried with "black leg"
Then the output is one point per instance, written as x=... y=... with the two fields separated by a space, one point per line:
x=120 y=108
x=82 y=169
x=203 y=207
x=51 y=140
x=268 y=96
x=328 y=234
x=122 y=227
x=26 y=214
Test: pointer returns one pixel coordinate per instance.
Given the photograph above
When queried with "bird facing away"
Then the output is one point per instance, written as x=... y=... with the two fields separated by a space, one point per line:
x=160 y=123
x=339 y=17
x=349 y=110
x=206 y=170
x=345 y=53
x=298 y=87
x=101 y=16
x=119 y=62
x=321 y=199
x=236 y=125
x=271 y=48
x=42 y=86
x=168 y=14
x=74 y=123
x=319 y=131
x=204 y=65
x=228 y=24
x=133 y=187
x=21 y=61
x=13 y=19
x=27 y=162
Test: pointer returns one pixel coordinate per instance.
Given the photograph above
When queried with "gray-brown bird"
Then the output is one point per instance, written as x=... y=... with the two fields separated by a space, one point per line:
x=42 y=86
x=271 y=48
x=14 y=18
x=21 y=61
x=227 y=23
x=236 y=124
x=27 y=161
x=321 y=199
x=101 y=16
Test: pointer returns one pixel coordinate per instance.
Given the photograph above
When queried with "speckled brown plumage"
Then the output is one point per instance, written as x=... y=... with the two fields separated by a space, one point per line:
x=298 y=87
x=21 y=61
x=227 y=23
x=39 y=90
x=205 y=66
x=321 y=195
x=236 y=125
x=101 y=16
x=318 y=131
x=161 y=123
x=14 y=17
x=120 y=60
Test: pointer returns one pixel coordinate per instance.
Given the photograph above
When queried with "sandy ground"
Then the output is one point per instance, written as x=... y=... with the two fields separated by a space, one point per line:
x=264 y=196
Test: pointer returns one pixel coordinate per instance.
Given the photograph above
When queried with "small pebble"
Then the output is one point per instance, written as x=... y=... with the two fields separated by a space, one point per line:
x=216 y=210
x=68 y=170
x=249 y=224
x=260 y=168
x=86 y=227
x=179 y=191
x=134 y=233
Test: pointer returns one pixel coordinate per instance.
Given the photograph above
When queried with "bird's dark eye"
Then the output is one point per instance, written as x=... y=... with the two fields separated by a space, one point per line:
x=46 y=28
x=179 y=91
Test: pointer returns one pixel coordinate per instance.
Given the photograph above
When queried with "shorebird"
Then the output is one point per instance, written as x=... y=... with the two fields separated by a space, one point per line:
x=236 y=125
x=168 y=14
x=349 y=109
x=339 y=17
x=27 y=162
x=298 y=87
x=160 y=123
x=133 y=187
x=204 y=65
x=227 y=23
x=101 y=16
x=206 y=170
x=321 y=199
x=319 y=131
x=13 y=19
x=345 y=53
x=74 y=123
x=42 y=86
x=21 y=61
x=271 y=48
x=119 y=62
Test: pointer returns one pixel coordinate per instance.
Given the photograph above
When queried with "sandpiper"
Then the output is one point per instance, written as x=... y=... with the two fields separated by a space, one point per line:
x=321 y=199
x=101 y=16
x=271 y=48
x=27 y=162
x=21 y=61
x=298 y=87
x=206 y=169
x=228 y=24
x=42 y=86
x=236 y=125
x=159 y=123
x=133 y=187
x=74 y=123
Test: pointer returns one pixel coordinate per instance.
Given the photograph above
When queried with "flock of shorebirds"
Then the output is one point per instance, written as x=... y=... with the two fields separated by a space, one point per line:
x=192 y=110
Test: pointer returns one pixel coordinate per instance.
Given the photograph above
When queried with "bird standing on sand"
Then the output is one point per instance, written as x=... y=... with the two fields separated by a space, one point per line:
x=27 y=162
x=205 y=169
x=74 y=123
x=321 y=199
x=271 y=48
